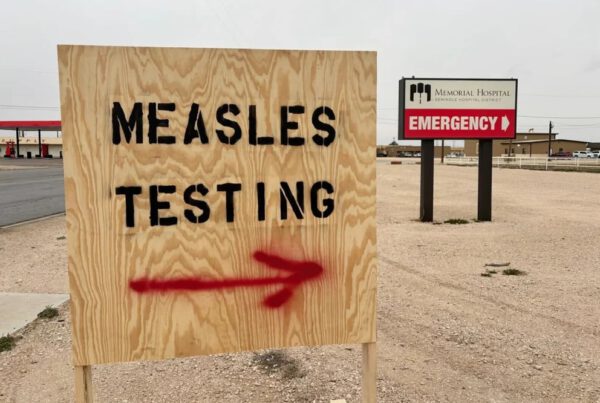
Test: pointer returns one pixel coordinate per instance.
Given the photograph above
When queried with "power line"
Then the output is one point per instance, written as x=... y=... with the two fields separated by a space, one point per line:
x=20 y=70
x=597 y=124
x=29 y=107
x=558 y=95
x=382 y=120
x=522 y=116
x=559 y=117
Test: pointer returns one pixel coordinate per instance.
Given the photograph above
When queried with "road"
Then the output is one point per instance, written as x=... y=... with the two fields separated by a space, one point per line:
x=31 y=193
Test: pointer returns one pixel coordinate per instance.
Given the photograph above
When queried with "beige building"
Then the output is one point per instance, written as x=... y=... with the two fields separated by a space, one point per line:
x=526 y=144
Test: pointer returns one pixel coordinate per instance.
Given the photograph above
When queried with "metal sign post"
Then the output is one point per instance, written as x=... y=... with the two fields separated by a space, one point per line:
x=427 y=154
x=484 y=185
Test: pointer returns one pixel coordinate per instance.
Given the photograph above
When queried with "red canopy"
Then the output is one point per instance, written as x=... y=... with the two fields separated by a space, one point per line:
x=44 y=125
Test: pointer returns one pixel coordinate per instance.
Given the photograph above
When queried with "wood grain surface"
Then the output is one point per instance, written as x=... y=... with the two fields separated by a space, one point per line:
x=113 y=323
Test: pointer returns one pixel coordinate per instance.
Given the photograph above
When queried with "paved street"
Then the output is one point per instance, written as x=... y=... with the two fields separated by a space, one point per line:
x=32 y=191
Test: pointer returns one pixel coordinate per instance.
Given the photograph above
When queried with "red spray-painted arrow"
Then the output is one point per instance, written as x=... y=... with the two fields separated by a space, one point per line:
x=301 y=271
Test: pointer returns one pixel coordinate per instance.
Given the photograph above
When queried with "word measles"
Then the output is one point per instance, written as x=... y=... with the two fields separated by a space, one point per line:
x=229 y=130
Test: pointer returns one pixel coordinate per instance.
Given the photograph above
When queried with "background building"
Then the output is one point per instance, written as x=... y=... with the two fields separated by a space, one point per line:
x=593 y=146
x=527 y=144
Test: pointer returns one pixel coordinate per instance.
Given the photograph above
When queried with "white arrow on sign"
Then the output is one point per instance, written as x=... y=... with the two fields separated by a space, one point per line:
x=505 y=123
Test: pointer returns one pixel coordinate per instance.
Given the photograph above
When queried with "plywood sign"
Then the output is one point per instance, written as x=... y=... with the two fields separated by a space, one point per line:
x=218 y=200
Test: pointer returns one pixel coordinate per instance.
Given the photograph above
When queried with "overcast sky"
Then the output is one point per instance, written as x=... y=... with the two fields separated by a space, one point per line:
x=552 y=47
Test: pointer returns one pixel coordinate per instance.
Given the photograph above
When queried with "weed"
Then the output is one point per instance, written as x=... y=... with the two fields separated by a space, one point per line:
x=292 y=370
x=48 y=313
x=276 y=360
x=456 y=221
x=486 y=274
x=7 y=343
x=513 y=272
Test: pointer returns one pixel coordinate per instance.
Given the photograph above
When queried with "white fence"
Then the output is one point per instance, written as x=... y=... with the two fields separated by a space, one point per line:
x=571 y=164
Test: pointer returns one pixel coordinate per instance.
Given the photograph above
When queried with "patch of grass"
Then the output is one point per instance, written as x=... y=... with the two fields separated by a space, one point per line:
x=488 y=272
x=513 y=272
x=7 y=343
x=60 y=238
x=455 y=221
x=48 y=313
x=274 y=361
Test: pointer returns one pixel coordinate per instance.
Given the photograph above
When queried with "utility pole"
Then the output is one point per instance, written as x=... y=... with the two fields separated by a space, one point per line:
x=442 y=151
x=550 y=138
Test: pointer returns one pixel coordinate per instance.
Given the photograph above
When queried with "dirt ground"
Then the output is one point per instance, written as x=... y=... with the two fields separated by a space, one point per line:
x=445 y=332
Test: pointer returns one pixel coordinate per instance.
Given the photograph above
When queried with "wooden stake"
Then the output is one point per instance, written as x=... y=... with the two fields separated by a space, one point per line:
x=83 y=384
x=369 y=375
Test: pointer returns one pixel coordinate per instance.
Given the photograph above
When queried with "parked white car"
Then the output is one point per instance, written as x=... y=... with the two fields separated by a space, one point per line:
x=583 y=154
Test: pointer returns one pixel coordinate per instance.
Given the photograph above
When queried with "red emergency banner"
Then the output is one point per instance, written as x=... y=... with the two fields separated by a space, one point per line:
x=459 y=123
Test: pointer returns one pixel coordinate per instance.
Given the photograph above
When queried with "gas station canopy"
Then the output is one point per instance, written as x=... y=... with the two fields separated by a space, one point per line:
x=43 y=125
x=28 y=125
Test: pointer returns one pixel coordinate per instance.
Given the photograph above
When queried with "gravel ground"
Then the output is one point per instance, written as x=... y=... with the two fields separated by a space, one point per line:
x=445 y=332
x=34 y=257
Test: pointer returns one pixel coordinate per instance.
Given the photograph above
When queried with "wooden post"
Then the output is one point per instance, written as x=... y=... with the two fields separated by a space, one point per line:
x=549 y=139
x=369 y=372
x=443 y=151
x=83 y=384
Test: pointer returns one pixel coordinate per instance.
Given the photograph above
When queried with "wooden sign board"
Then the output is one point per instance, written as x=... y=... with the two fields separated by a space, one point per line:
x=218 y=200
